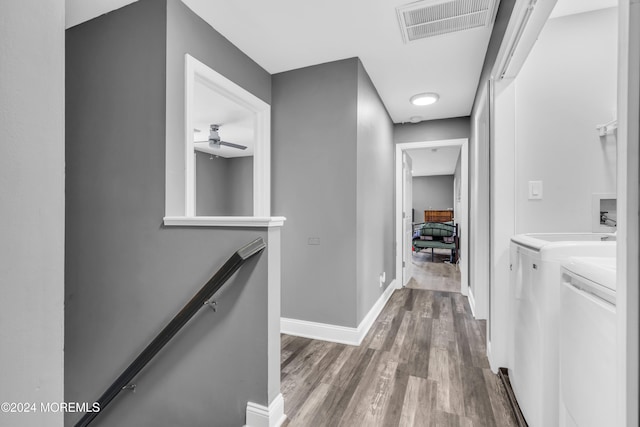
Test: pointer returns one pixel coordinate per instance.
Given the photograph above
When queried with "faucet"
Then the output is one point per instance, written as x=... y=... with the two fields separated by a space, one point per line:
x=605 y=220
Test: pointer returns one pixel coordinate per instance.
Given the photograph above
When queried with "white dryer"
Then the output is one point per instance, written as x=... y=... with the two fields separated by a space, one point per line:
x=588 y=342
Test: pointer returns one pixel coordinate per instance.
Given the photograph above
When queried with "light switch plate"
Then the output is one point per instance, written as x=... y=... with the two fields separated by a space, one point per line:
x=535 y=190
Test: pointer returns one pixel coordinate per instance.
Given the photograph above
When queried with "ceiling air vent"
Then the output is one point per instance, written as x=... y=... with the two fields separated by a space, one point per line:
x=430 y=18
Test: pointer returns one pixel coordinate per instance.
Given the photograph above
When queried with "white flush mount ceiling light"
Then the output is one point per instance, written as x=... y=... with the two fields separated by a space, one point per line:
x=422 y=99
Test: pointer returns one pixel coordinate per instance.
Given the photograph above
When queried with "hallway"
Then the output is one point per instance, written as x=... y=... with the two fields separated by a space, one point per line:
x=423 y=363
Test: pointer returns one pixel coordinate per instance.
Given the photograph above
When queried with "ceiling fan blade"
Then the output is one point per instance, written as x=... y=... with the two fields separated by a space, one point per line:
x=230 y=144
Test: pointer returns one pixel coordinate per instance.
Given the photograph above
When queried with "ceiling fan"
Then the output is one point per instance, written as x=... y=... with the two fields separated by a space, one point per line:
x=215 y=141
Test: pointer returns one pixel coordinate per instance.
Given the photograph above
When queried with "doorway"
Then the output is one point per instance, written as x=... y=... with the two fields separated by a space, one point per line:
x=404 y=217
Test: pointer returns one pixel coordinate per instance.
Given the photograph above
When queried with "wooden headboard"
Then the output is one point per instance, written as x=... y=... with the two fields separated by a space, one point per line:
x=438 y=216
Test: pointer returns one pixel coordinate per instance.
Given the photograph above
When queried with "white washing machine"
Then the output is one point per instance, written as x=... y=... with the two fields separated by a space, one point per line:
x=536 y=261
x=588 y=342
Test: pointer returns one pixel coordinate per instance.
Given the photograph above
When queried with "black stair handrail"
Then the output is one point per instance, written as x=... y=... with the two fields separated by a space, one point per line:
x=188 y=311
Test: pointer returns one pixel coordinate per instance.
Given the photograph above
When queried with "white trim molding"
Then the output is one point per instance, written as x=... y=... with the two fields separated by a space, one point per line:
x=463 y=222
x=262 y=416
x=628 y=249
x=224 y=221
x=472 y=302
x=180 y=176
x=336 y=333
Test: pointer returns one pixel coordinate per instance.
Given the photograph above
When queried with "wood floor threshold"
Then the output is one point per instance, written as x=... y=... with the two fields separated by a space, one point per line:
x=503 y=374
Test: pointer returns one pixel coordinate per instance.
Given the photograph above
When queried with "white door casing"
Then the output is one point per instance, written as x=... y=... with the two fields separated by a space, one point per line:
x=462 y=219
x=407 y=217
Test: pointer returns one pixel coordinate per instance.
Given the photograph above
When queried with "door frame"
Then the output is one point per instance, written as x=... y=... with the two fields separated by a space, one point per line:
x=463 y=143
x=628 y=246
x=407 y=203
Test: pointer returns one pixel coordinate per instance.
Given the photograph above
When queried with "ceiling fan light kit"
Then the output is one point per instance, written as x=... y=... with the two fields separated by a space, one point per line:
x=215 y=141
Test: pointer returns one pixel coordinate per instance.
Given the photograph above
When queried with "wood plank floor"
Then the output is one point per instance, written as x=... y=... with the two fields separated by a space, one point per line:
x=434 y=273
x=423 y=363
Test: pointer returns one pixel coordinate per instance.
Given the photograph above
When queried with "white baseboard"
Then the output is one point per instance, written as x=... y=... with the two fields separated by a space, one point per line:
x=492 y=364
x=261 y=416
x=472 y=302
x=372 y=315
x=335 y=333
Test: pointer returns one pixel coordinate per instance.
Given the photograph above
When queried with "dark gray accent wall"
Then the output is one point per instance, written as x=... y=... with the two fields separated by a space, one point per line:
x=432 y=192
x=224 y=186
x=375 y=240
x=432 y=130
x=126 y=274
x=314 y=116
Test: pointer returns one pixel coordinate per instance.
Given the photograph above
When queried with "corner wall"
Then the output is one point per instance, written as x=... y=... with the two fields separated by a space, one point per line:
x=332 y=166
x=32 y=187
x=375 y=240
x=314 y=173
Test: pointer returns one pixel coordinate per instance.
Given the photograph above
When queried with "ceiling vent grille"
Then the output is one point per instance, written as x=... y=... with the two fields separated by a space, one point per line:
x=430 y=18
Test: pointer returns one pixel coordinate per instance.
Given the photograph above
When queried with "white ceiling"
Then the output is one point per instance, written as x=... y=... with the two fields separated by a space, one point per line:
x=570 y=7
x=237 y=123
x=434 y=161
x=78 y=11
x=282 y=35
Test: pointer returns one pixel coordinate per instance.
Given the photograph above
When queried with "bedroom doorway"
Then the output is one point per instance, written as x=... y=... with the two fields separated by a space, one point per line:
x=406 y=217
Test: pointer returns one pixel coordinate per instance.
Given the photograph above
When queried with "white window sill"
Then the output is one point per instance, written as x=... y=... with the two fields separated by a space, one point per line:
x=224 y=221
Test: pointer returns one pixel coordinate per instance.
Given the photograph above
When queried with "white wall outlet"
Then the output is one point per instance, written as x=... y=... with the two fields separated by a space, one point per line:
x=313 y=241
x=383 y=278
x=535 y=190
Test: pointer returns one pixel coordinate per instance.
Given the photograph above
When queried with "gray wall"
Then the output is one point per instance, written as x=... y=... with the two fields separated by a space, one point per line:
x=127 y=275
x=212 y=195
x=332 y=171
x=432 y=130
x=375 y=240
x=241 y=185
x=432 y=192
x=32 y=194
x=224 y=186
x=314 y=116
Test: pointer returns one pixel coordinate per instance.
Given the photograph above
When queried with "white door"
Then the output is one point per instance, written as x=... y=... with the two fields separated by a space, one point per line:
x=407 y=221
